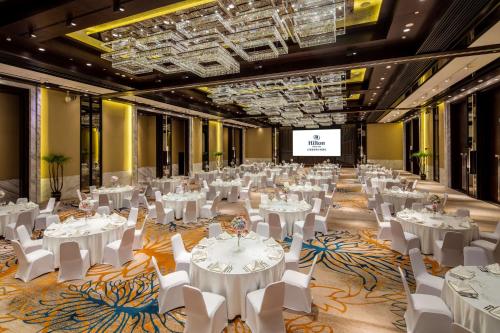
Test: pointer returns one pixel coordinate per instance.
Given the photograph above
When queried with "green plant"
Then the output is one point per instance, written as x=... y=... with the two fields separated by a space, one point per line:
x=217 y=153
x=56 y=170
x=218 y=158
x=421 y=157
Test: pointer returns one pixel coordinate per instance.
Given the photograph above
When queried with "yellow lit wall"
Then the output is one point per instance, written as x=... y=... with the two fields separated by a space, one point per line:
x=225 y=141
x=197 y=140
x=385 y=144
x=426 y=144
x=215 y=139
x=258 y=143
x=441 y=111
x=146 y=141
x=116 y=140
x=9 y=136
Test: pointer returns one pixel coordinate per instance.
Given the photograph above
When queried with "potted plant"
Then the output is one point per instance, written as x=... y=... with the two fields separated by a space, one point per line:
x=218 y=159
x=56 y=173
x=421 y=157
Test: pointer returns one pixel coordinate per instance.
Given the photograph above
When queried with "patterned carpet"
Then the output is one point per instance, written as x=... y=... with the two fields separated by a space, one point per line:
x=356 y=287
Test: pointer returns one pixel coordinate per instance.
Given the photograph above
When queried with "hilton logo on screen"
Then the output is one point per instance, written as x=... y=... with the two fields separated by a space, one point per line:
x=315 y=144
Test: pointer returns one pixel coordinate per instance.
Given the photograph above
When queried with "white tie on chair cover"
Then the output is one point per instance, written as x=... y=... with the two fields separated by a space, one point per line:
x=182 y=257
x=297 y=292
x=265 y=309
x=120 y=252
x=34 y=264
x=73 y=262
x=426 y=283
x=170 y=294
x=292 y=257
x=206 y=312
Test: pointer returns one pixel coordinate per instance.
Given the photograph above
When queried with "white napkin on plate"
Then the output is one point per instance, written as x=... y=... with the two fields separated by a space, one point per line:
x=494 y=268
x=461 y=273
x=251 y=235
x=224 y=236
x=274 y=254
x=496 y=312
x=217 y=267
x=199 y=255
x=253 y=266
x=463 y=288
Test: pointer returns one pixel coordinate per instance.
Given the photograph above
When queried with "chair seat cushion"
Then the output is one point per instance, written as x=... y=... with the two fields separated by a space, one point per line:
x=410 y=236
x=255 y=298
x=174 y=279
x=295 y=278
x=430 y=303
x=114 y=245
x=38 y=254
x=484 y=244
x=212 y=302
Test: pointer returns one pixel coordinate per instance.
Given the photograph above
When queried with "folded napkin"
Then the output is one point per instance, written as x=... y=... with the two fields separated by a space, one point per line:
x=254 y=266
x=198 y=255
x=496 y=312
x=224 y=236
x=11 y=203
x=461 y=273
x=464 y=289
x=271 y=242
x=217 y=267
x=494 y=268
x=274 y=254
x=251 y=235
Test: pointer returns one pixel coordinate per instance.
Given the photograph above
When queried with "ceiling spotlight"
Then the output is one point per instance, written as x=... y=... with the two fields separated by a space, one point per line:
x=403 y=37
x=8 y=39
x=378 y=87
x=382 y=78
x=41 y=49
x=416 y=13
x=480 y=81
x=88 y=64
x=67 y=98
x=409 y=25
x=190 y=97
x=69 y=21
x=406 y=30
x=388 y=66
x=32 y=34
x=117 y=6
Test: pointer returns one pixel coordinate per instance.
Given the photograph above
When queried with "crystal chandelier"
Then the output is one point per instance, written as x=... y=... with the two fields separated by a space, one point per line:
x=211 y=39
x=297 y=101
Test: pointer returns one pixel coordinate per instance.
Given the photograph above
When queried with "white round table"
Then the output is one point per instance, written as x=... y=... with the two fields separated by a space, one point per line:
x=430 y=227
x=236 y=282
x=403 y=199
x=116 y=194
x=320 y=179
x=91 y=234
x=10 y=212
x=204 y=175
x=308 y=192
x=289 y=211
x=225 y=187
x=255 y=177
x=383 y=183
x=470 y=312
x=177 y=201
x=166 y=185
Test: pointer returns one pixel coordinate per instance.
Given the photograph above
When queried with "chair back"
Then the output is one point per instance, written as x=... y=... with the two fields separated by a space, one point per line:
x=103 y=210
x=462 y=212
x=263 y=229
x=386 y=211
x=128 y=239
x=453 y=240
x=26 y=219
x=263 y=181
x=309 y=226
x=409 y=300
x=418 y=206
x=23 y=234
x=205 y=184
x=157 y=270
x=417 y=263
x=50 y=205
x=103 y=199
x=214 y=229
x=160 y=212
x=296 y=246
x=317 y=204
x=211 y=193
x=19 y=252
x=445 y=200
x=134 y=200
x=233 y=195
x=132 y=216
x=69 y=251
x=414 y=186
x=194 y=303
x=158 y=196
x=177 y=245
x=21 y=200
x=397 y=232
x=149 y=191
x=190 y=214
x=475 y=256
x=376 y=216
x=300 y=197
x=274 y=221
x=274 y=296
x=52 y=219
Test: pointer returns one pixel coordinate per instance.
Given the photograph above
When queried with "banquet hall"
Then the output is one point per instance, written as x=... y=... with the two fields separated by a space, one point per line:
x=255 y=166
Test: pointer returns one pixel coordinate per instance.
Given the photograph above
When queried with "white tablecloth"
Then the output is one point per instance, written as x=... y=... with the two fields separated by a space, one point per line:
x=166 y=185
x=255 y=177
x=289 y=211
x=204 y=175
x=225 y=187
x=429 y=227
x=10 y=212
x=177 y=201
x=321 y=179
x=235 y=284
x=383 y=183
x=91 y=234
x=116 y=194
x=308 y=192
x=399 y=198
x=470 y=312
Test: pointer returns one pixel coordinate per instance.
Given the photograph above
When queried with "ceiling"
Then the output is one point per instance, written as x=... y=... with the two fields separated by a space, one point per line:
x=73 y=40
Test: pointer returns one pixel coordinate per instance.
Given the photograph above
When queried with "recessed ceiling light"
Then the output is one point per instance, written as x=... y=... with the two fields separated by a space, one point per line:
x=190 y=97
x=354 y=53
x=88 y=64
x=404 y=37
x=462 y=89
x=8 y=39
x=480 y=81
x=121 y=9
x=41 y=49
x=406 y=30
x=378 y=87
x=388 y=66
x=382 y=78
x=416 y=12
x=409 y=25
x=72 y=23
x=447 y=80
x=32 y=35
x=231 y=6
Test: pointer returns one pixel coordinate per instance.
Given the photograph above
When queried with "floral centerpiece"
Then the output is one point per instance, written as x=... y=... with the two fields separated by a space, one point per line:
x=285 y=192
x=114 y=181
x=239 y=225
x=86 y=206
x=435 y=201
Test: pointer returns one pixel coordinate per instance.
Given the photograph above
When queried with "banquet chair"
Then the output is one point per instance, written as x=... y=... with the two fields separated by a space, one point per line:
x=264 y=198
x=79 y=195
x=233 y=194
x=449 y=252
x=305 y=228
x=491 y=236
x=182 y=257
x=253 y=220
x=50 y=207
x=103 y=210
x=248 y=206
x=425 y=313
x=263 y=229
x=205 y=312
x=475 y=256
x=158 y=196
x=317 y=203
x=133 y=201
x=21 y=200
x=32 y=265
x=73 y=262
x=417 y=206
x=211 y=192
x=402 y=241
x=492 y=249
x=103 y=200
x=151 y=208
x=170 y=288
x=320 y=222
x=426 y=283
x=264 y=309
x=139 y=236
x=210 y=210
x=386 y=211
x=270 y=181
x=457 y=328
x=205 y=185
x=28 y=244
x=24 y=218
x=245 y=191
x=378 y=201
x=297 y=292
x=214 y=229
x=189 y=213
x=277 y=227
x=49 y=219
x=120 y=251
x=263 y=182
x=293 y=197
x=322 y=198
x=164 y=215
x=292 y=257
x=462 y=212
x=132 y=217
x=384 y=228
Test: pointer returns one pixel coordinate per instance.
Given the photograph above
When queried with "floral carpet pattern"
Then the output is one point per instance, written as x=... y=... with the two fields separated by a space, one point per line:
x=356 y=286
